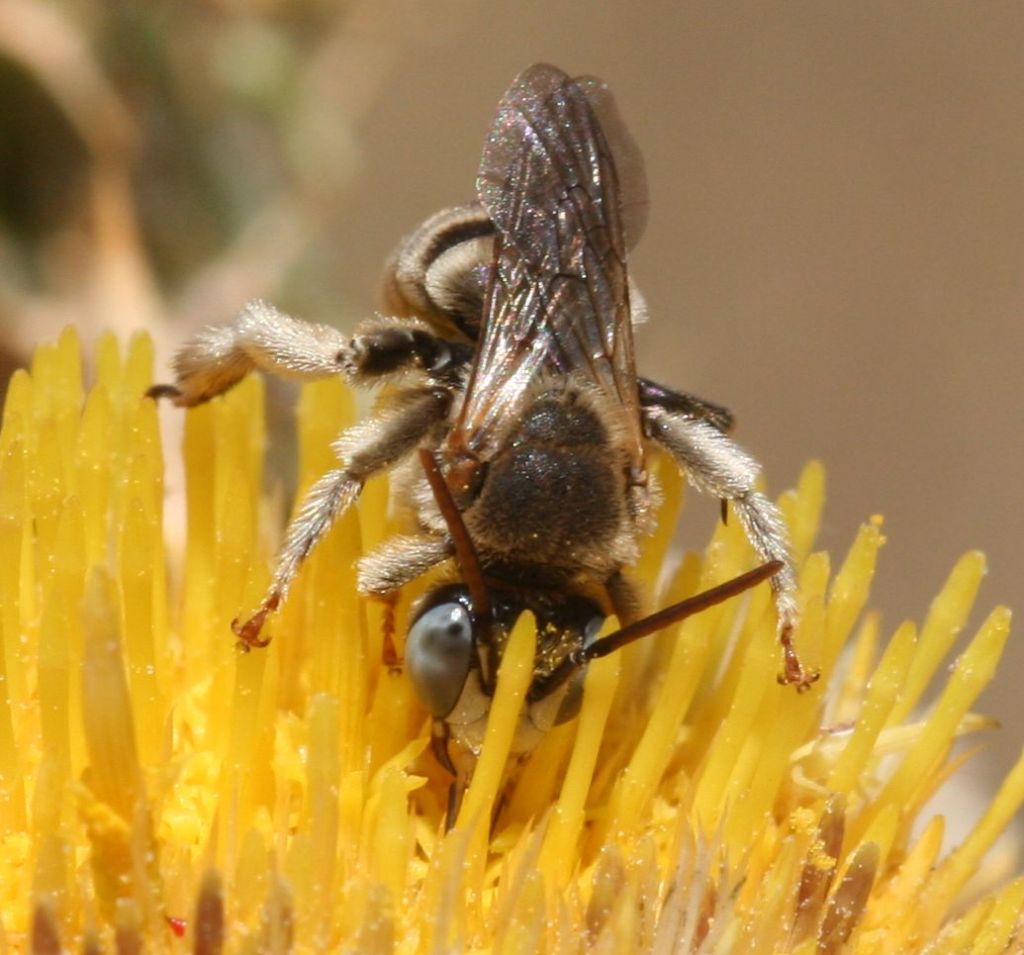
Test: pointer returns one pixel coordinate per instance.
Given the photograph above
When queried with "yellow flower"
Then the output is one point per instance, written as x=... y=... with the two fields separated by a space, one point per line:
x=159 y=788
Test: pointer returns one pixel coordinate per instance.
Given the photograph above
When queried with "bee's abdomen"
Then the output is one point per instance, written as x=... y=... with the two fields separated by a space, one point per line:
x=555 y=493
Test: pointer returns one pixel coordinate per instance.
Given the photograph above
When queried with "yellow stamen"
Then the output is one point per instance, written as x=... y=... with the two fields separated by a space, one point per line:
x=154 y=779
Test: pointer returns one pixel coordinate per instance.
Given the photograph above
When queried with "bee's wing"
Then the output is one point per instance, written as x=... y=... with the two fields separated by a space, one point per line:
x=557 y=297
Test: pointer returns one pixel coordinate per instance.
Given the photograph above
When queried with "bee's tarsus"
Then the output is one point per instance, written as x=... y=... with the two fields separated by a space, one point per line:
x=388 y=651
x=248 y=633
x=794 y=673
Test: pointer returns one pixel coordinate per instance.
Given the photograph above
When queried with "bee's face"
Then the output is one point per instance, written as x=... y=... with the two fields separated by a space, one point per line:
x=452 y=659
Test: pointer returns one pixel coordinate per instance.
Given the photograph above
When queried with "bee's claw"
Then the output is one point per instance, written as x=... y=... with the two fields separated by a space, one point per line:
x=798 y=677
x=793 y=671
x=248 y=633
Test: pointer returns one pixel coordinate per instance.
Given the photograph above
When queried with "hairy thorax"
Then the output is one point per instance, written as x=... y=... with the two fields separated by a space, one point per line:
x=555 y=502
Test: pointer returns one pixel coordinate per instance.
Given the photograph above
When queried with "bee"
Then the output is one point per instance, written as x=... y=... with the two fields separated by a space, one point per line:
x=516 y=426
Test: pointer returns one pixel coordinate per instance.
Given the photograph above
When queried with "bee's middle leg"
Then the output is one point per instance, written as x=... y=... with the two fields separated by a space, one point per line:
x=365 y=449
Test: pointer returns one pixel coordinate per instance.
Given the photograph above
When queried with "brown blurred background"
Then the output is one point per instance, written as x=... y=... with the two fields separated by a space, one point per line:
x=835 y=246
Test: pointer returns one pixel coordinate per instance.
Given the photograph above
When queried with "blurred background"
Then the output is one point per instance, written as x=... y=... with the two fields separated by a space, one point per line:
x=835 y=245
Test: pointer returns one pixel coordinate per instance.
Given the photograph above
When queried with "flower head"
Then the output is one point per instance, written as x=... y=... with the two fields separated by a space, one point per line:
x=160 y=788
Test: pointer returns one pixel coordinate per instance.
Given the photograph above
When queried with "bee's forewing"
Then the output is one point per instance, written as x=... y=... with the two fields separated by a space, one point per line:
x=557 y=299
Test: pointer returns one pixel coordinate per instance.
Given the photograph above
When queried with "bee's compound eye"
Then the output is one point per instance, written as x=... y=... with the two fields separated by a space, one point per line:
x=437 y=654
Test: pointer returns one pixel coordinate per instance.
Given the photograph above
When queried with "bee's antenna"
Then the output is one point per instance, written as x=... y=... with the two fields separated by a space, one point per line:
x=465 y=552
x=653 y=623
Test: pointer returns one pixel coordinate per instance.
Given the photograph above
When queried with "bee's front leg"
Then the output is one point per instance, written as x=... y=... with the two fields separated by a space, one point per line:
x=627 y=604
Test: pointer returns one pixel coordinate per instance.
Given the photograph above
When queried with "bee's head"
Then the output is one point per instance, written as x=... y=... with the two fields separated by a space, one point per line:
x=459 y=632
x=452 y=655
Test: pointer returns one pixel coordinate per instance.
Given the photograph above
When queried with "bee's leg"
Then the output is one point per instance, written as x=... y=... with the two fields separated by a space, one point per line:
x=716 y=465
x=220 y=356
x=440 y=736
x=460 y=769
x=390 y=566
x=625 y=598
x=653 y=395
x=460 y=763
x=399 y=560
x=388 y=650
x=262 y=337
x=364 y=449
x=440 y=270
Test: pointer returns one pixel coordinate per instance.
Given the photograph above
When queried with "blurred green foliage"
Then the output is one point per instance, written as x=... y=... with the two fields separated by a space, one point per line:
x=161 y=162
